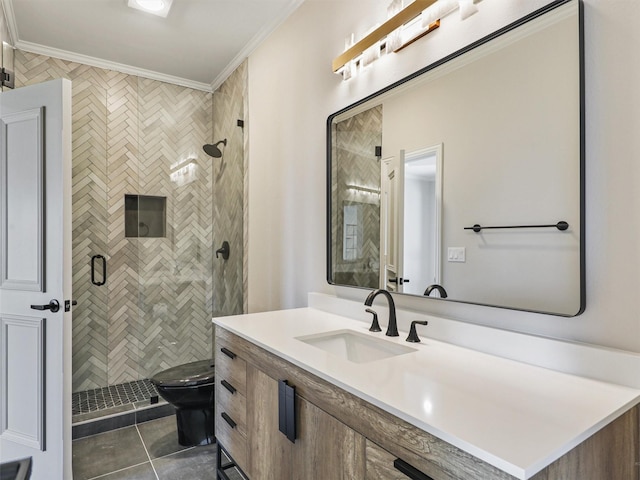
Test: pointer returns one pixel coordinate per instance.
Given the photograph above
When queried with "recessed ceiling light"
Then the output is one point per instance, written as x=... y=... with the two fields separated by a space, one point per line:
x=156 y=7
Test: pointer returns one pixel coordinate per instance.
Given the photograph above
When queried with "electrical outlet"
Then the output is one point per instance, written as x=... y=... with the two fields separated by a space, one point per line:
x=457 y=254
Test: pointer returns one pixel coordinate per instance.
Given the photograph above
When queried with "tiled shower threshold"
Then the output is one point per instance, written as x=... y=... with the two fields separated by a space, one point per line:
x=117 y=406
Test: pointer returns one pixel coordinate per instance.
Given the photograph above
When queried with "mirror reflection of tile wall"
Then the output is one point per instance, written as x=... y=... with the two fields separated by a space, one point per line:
x=6 y=52
x=357 y=166
x=229 y=173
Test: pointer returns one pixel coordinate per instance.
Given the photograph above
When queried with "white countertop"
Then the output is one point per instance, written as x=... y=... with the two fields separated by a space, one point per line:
x=518 y=417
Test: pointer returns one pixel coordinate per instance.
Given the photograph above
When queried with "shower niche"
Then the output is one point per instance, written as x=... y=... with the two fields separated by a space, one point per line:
x=145 y=216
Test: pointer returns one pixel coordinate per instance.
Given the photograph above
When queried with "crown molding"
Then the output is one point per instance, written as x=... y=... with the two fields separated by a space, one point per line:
x=10 y=18
x=108 y=65
x=254 y=43
x=260 y=37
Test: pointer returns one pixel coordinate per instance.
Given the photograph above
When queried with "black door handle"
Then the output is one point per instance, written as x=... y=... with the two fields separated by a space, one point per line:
x=53 y=305
x=93 y=270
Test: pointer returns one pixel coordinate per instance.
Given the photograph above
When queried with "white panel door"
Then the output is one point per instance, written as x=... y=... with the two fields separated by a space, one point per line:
x=35 y=272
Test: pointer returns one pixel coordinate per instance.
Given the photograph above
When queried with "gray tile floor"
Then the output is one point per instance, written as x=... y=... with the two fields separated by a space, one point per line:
x=146 y=451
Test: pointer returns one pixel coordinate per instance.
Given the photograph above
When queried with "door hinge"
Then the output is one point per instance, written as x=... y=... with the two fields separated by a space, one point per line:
x=6 y=78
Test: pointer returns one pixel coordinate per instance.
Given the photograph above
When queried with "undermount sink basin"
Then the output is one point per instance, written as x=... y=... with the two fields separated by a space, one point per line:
x=355 y=346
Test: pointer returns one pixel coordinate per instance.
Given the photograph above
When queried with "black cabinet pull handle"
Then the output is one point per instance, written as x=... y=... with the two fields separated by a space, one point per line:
x=410 y=471
x=228 y=353
x=287 y=410
x=228 y=386
x=228 y=419
x=93 y=270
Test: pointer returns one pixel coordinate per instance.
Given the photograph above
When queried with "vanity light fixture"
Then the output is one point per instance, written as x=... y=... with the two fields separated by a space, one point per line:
x=405 y=15
x=404 y=26
x=155 y=7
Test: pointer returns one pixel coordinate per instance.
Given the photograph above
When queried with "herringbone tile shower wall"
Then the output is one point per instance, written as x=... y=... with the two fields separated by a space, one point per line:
x=228 y=193
x=355 y=163
x=129 y=135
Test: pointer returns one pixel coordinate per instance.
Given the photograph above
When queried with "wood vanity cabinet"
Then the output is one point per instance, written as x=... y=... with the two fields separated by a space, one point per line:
x=323 y=448
x=341 y=437
x=230 y=403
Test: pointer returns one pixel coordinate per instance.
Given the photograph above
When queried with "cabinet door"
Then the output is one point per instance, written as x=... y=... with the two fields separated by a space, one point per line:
x=325 y=448
x=269 y=450
x=380 y=464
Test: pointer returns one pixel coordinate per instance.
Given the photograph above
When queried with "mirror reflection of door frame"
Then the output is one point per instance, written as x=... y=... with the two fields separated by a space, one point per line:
x=392 y=222
x=437 y=151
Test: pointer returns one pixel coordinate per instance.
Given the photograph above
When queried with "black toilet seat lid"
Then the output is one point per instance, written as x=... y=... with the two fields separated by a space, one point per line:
x=187 y=375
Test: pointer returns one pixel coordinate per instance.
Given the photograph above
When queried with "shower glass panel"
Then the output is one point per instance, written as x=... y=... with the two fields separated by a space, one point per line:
x=92 y=197
x=140 y=137
x=175 y=271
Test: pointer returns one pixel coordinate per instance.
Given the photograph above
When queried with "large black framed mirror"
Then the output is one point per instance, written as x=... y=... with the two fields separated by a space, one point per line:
x=466 y=179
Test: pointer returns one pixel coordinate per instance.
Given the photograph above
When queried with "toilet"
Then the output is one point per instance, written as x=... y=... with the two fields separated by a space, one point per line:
x=189 y=388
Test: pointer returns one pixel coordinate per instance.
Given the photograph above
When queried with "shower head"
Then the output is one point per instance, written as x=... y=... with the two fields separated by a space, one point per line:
x=212 y=149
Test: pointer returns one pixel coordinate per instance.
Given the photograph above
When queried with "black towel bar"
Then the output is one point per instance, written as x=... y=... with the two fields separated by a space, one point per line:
x=562 y=225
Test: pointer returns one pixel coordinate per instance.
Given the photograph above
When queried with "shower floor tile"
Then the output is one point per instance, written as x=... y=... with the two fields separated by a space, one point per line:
x=112 y=396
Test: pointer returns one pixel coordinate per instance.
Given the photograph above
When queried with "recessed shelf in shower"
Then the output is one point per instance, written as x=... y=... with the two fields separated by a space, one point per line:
x=145 y=216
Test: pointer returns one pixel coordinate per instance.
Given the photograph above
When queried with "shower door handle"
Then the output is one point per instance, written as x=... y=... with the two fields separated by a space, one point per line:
x=93 y=270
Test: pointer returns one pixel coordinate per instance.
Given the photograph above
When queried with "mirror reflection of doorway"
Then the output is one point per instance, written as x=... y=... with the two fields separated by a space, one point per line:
x=422 y=218
x=412 y=220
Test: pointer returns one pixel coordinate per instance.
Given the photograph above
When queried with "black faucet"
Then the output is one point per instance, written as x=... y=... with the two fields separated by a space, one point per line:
x=392 y=327
x=439 y=288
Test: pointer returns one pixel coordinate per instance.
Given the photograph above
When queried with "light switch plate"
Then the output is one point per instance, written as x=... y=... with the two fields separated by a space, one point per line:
x=456 y=254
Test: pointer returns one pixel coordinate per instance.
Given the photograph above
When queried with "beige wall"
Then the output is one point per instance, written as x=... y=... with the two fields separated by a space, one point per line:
x=292 y=91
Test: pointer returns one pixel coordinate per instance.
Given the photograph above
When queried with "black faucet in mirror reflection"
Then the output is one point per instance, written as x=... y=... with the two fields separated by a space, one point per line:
x=439 y=288
x=392 y=327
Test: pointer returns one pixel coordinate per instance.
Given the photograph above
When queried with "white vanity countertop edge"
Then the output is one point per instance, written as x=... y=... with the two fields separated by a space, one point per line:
x=518 y=417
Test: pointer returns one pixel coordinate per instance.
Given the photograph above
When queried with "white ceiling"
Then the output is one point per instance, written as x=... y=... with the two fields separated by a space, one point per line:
x=199 y=44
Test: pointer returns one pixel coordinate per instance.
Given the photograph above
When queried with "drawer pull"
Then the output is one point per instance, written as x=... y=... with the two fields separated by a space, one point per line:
x=410 y=471
x=228 y=353
x=287 y=410
x=228 y=419
x=228 y=386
